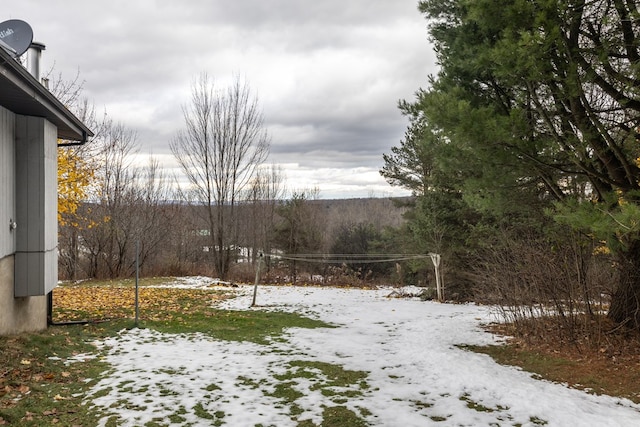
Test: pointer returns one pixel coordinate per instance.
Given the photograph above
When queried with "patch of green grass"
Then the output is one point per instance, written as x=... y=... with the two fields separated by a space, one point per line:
x=543 y=364
x=285 y=391
x=422 y=405
x=331 y=380
x=538 y=421
x=216 y=417
x=336 y=375
x=254 y=326
x=212 y=387
x=126 y=404
x=476 y=406
x=177 y=418
x=249 y=382
x=166 y=392
x=168 y=371
x=365 y=412
x=341 y=416
x=471 y=404
x=102 y=392
x=199 y=410
x=295 y=410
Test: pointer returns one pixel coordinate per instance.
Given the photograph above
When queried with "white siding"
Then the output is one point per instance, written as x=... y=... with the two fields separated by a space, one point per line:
x=7 y=182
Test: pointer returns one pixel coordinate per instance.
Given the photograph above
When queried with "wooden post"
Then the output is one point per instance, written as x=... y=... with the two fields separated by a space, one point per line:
x=435 y=258
x=255 y=286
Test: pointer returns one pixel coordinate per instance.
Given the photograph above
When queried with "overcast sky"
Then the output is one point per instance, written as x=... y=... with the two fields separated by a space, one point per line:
x=328 y=74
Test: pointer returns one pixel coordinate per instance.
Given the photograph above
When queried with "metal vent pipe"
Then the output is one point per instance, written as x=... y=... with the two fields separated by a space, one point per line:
x=34 y=53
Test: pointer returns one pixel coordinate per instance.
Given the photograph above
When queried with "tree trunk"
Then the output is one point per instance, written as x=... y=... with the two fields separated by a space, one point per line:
x=73 y=254
x=625 y=302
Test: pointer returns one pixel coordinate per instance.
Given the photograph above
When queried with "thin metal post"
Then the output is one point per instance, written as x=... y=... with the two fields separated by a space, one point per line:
x=137 y=277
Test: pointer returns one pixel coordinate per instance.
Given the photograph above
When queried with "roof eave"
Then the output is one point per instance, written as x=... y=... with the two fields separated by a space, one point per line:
x=23 y=94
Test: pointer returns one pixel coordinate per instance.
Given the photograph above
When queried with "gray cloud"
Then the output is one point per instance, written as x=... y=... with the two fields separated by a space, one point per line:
x=328 y=73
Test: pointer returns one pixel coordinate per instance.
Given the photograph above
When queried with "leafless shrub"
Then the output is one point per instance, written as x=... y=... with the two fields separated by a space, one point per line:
x=534 y=281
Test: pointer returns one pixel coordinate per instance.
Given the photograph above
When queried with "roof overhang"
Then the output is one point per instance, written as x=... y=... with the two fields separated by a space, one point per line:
x=22 y=94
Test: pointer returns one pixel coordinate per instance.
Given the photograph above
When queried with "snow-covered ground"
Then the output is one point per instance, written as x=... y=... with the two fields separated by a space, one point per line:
x=416 y=373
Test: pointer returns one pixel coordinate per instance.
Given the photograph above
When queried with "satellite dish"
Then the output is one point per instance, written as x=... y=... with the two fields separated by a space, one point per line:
x=15 y=36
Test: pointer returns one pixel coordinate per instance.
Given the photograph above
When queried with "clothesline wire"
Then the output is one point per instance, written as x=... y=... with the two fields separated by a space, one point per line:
x=349 y=258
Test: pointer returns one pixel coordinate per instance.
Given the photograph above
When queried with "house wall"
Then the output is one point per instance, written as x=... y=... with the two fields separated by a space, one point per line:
x=36 y=261
x=7 y=182
x=16 y=314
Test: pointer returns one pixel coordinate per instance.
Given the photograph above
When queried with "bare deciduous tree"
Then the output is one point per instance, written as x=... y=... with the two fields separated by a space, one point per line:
x=222 y=144
x=76 y=163
x=110 y=239
x=130 y=205
x=263 y=195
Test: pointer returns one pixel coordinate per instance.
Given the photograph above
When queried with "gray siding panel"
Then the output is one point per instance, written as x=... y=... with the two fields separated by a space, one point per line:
x=51 y=189
x=7 y=182
x=36 y=206
x=29 y=177
x=36 y=272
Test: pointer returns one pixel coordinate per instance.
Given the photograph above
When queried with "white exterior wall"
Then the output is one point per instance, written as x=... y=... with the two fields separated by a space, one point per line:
x=7 y=182
x=16 y=314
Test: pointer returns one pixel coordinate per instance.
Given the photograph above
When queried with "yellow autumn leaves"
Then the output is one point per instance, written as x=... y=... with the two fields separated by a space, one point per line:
x=75 y=175
x=115 y=302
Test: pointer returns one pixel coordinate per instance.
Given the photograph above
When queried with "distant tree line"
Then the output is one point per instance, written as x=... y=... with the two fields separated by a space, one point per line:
x=174 y=238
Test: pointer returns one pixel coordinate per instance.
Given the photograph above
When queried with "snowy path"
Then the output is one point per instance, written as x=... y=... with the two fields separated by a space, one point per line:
x=416 y=374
